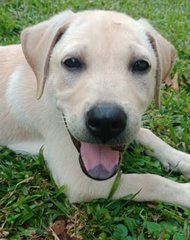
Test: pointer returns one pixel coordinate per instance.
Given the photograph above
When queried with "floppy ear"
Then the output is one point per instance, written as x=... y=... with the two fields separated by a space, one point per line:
x=37 y=44
x=165 y=54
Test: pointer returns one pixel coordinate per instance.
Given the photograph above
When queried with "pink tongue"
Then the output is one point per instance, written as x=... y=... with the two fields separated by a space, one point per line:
x=99 y=157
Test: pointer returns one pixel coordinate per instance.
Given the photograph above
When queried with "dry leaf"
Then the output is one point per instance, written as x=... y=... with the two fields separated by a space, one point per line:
x=168 y=81
x=59 y=227
x=59 y=232
x=151 y=205
x=175 y=83
x=172 y=82
x=3 y=234
x=155 y=218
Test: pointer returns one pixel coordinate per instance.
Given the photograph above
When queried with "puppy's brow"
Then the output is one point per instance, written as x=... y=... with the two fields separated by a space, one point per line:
x=75 y=50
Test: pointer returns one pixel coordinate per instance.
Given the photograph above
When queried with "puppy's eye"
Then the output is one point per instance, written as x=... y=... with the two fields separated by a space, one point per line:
x=140 y=66
x=72 y=63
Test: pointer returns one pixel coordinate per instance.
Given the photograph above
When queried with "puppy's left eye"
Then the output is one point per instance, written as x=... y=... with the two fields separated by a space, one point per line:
x=72 y=63
x=140 y=66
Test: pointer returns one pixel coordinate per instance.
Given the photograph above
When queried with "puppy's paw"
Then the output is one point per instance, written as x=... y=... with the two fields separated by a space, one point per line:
x=179 y=162
x=184 y=165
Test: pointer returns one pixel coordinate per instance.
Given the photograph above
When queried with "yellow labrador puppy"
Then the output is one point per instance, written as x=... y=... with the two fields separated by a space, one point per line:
x=79 y=84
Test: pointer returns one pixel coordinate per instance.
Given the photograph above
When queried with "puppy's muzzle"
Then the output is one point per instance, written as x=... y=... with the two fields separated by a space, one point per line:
x=106 y=121
x=100 y=160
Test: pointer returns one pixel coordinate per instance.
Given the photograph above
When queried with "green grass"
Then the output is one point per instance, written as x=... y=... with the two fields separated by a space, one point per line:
x=30 y=201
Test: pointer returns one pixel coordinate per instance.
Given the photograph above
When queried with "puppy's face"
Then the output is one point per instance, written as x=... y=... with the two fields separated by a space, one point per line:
x=103 y=71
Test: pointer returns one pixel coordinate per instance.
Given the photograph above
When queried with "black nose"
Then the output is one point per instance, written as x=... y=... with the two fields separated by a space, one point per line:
x=106 y=121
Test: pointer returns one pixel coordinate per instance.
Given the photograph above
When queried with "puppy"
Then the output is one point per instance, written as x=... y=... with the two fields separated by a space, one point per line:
x=78 y=85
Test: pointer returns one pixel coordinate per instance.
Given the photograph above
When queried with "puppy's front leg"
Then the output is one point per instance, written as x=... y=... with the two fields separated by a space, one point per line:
x=144 y=187
x=150 y=187
x=168 y=156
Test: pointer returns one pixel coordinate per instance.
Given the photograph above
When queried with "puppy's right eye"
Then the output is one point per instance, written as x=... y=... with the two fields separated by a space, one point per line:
x=72 y=63
x=140 y=66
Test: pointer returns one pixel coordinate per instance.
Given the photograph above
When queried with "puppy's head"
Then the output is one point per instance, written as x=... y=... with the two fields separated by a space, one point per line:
x=104 y=68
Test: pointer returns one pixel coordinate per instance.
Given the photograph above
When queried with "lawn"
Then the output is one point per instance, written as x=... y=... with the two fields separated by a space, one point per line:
x=30 y=202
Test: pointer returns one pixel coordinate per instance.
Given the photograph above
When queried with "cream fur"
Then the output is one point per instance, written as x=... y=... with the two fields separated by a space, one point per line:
x=107 y=42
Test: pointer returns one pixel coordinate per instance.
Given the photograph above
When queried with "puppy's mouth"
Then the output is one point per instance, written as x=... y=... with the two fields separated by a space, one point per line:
x=99 y=162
